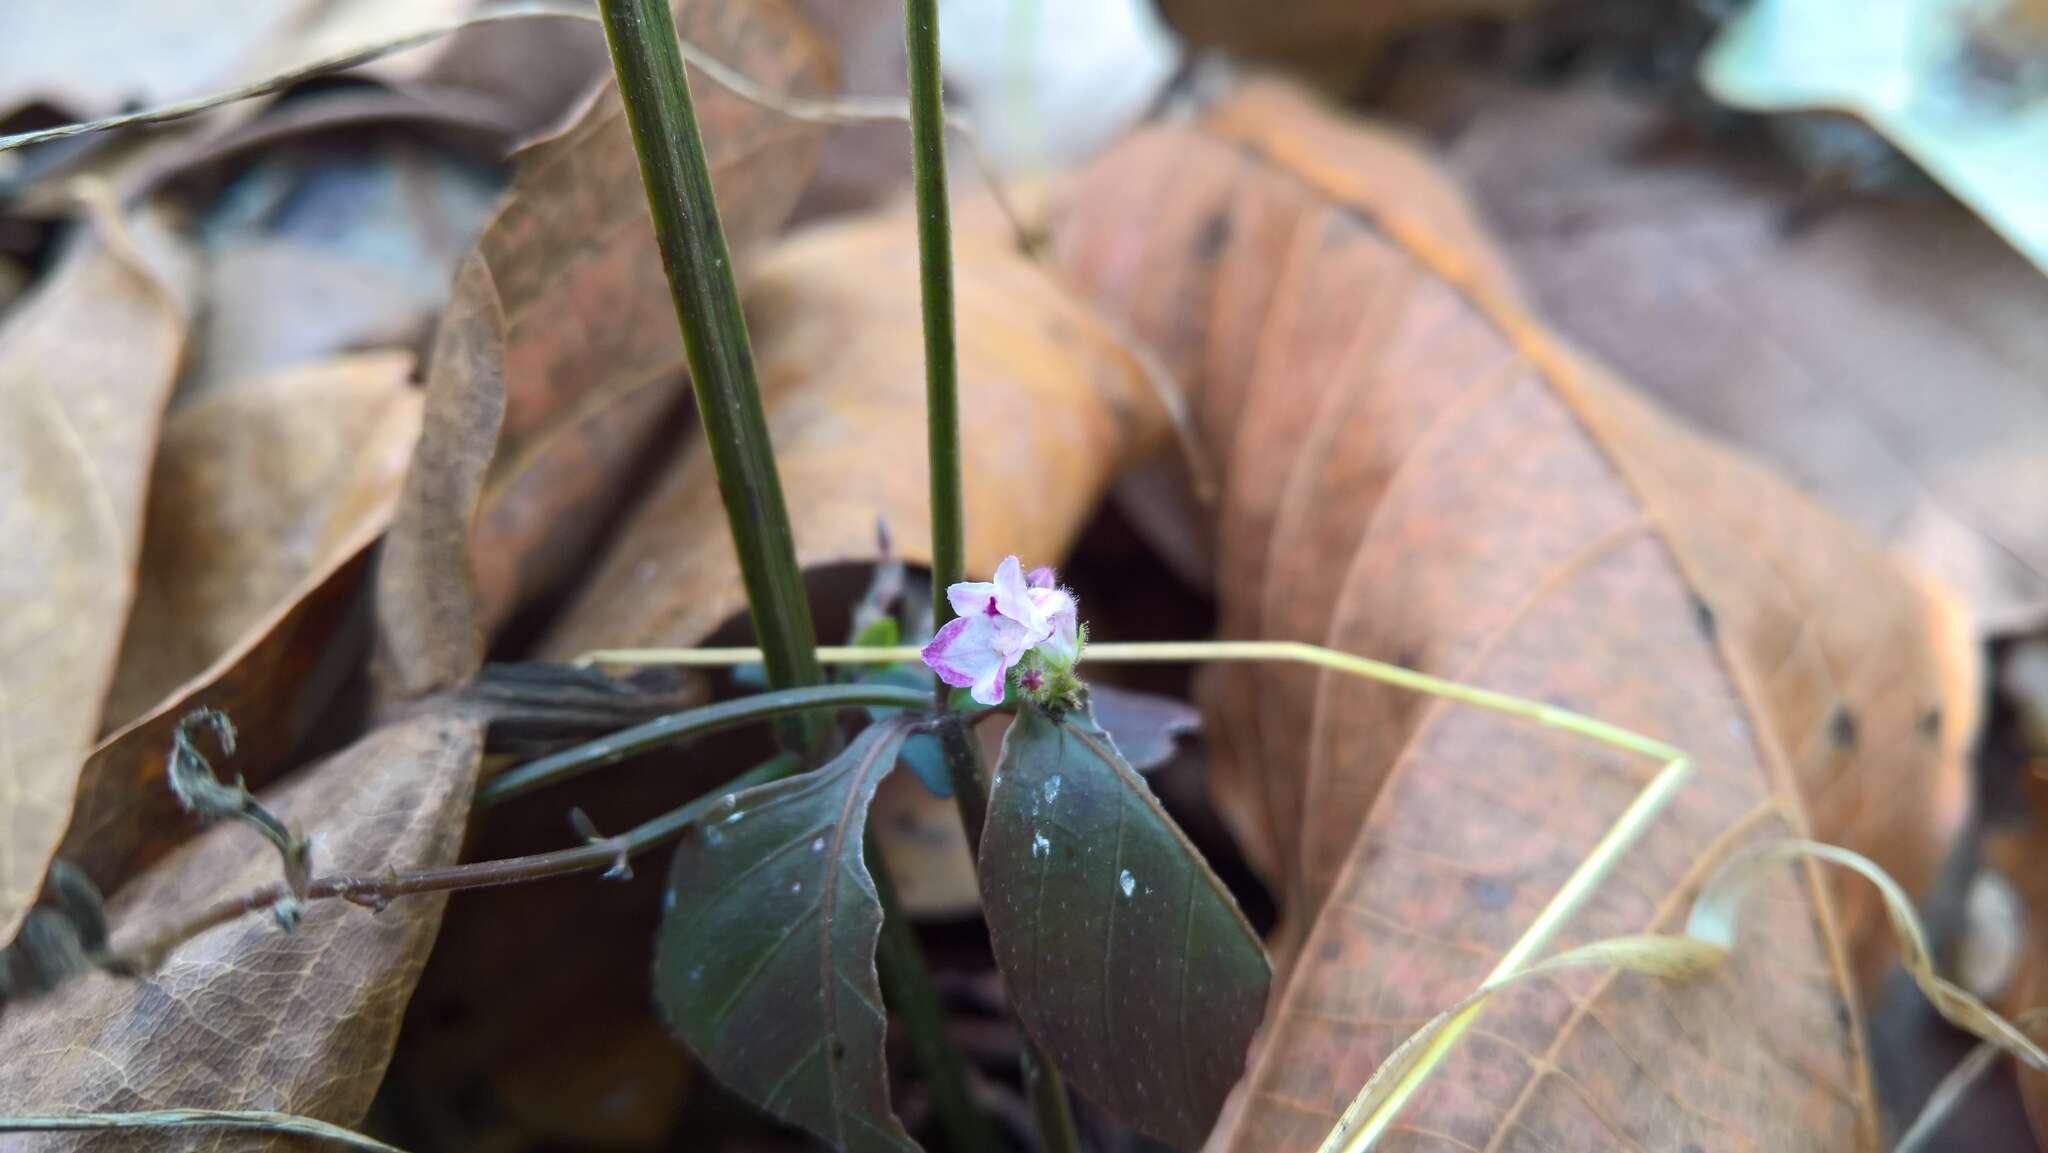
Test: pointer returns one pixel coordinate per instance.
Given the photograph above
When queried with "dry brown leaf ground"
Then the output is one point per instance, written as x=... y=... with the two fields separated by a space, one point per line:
x=253 y=629
x=1415 y=468
x=1052 y=404
x=1887 y=355
x=257 y=487
x=1448 y=487
x=246 y=1016
x=567 y=353
x=86 y=368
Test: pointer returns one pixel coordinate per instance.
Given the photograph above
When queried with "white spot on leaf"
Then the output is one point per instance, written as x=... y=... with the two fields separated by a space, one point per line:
x=1126 y=882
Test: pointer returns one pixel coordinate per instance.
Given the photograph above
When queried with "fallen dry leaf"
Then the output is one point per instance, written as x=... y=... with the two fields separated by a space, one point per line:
x=135 y=54
x=1332 y=42
x=275 y=683
x=264 y=505
x=345 y=26
x=247 y=1016
x=86 y=366
x=1888 y=356
x=258 y=486
x=91 y=64
x=140 y=52
x=1416 y=471
x=326 y=245
x=429 y=637
x=1051 y=407
x=1208 y=331
x=529 y=72
x=560 y=354
x=540 y=431
x=862 y=166
x=1938 y=79
x=279 y=303
x=589 y=323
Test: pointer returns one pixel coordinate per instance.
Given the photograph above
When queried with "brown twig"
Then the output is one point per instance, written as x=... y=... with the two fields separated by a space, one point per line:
x=376 y=890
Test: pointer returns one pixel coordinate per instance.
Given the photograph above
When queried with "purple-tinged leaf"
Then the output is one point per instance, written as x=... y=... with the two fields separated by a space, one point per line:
x=765 y=964
x=1125 y=957
x=1145 y=725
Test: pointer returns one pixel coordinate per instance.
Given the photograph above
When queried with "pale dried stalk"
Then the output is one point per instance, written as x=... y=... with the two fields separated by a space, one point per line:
x=1397 y=1078
x=1956 y=1085
x=1713 y=920
x=1157 y=652
x=1707 y=942
x=166 y=1119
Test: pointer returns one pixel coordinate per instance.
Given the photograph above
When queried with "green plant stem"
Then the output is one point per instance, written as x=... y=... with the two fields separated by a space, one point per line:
x=572 y=762
x=964 y=770
x=376 y=889
x=970 y=795
x=656 y=96
x=907 y=984
x=935 y=278
x=941 y=385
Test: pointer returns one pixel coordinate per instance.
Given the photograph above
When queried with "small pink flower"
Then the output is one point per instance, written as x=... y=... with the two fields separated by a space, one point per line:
x=1063 y=646
x=997 y=623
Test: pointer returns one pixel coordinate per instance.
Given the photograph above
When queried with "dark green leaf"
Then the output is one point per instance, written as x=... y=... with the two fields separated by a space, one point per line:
x=1125 y=957
x=1145 y=725
x=765 y=965
x=532 y=707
